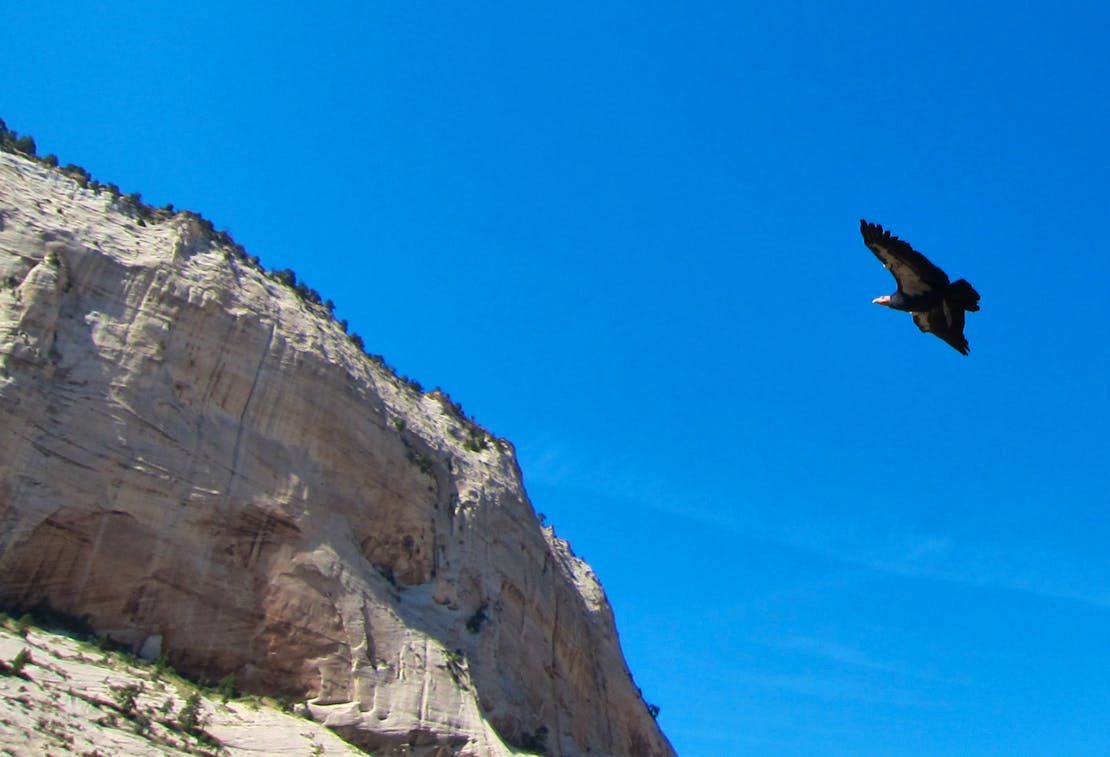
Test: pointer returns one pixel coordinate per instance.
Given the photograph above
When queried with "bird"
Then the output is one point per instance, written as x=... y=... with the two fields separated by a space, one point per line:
x=924 y=291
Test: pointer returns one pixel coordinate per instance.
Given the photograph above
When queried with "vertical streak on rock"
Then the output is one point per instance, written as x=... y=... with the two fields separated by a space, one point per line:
x=603 y=691
x=243 y=414
x=211 y=639
x=556 y=731
x=94 y=551
x=426 y=684
x=256 y=544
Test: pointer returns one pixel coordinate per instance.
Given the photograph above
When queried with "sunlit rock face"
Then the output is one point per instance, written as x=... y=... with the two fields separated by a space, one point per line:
x=199 y=462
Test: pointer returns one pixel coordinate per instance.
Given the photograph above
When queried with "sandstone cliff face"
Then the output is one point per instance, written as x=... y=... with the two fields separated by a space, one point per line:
x=201 y=464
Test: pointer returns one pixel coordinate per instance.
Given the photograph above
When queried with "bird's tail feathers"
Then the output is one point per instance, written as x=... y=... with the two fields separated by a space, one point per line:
x=964 y=295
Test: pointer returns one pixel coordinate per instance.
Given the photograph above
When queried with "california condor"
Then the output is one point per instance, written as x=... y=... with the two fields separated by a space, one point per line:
x=923 y=289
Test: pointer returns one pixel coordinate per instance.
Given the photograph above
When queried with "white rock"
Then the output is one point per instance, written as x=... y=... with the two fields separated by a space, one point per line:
x=189 y=451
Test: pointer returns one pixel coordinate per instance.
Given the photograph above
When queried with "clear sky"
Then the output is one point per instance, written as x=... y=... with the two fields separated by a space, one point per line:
x=625 y=235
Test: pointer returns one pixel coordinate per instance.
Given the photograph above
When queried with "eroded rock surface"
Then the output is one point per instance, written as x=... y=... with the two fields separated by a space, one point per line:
x=200 y=463
x=71 y=698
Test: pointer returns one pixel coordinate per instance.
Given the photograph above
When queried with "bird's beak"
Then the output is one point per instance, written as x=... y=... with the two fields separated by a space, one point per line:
x=884 y=300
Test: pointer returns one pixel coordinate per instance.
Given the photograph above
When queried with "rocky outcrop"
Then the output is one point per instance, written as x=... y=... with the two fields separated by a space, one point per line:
x=70 y=697
x=202 y=464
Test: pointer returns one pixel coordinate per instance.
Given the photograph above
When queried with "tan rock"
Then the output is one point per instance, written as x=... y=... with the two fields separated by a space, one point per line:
x=195 y=460
x=68 y=700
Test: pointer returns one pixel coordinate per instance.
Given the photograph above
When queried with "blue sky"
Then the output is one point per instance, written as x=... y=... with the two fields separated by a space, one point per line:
x=625 y=236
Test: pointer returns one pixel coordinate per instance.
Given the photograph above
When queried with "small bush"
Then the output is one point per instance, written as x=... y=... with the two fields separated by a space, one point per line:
x=191 y=718
x=226 y=688
x=286 y=276
x=125 y=697
x=19 y=662
x=23 y=625
x=421 y=461
x=26 y=145
x=78 y=174
x=478 y=440
x=308 y=294
x=161 y=665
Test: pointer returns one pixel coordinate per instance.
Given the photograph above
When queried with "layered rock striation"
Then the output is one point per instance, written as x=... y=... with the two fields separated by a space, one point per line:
x=202 y=464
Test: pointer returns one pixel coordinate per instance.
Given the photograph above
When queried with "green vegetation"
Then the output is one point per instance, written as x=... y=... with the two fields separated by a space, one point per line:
x=456 y=666
x=161 y=665
x=78 y=174
x=11 y=141
x=15 y=667
x=23 y=625
x=306 y=293
x=477 y=440
x=191 y=716
x=148 y=709
x=421 y=461
x=126 y=696
x=226 y=688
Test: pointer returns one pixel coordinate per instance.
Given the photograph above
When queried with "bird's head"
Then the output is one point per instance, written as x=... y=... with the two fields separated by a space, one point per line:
x=884 y=300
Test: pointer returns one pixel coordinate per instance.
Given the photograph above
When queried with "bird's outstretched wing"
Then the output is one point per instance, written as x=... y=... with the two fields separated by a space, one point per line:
x=912 y=270
x=945 y=321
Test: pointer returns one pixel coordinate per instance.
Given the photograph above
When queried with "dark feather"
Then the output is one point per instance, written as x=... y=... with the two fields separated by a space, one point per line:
x=945 y=322
x=912 y=270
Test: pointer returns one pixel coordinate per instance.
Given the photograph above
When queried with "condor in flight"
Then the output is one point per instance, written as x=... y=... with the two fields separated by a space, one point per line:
x=923 y=289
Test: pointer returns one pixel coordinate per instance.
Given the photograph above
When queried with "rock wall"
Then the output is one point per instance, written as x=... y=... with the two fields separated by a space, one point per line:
x=200 y=463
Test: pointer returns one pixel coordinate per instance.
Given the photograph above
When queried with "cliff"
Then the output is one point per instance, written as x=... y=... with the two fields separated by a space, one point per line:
x=202 y=464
